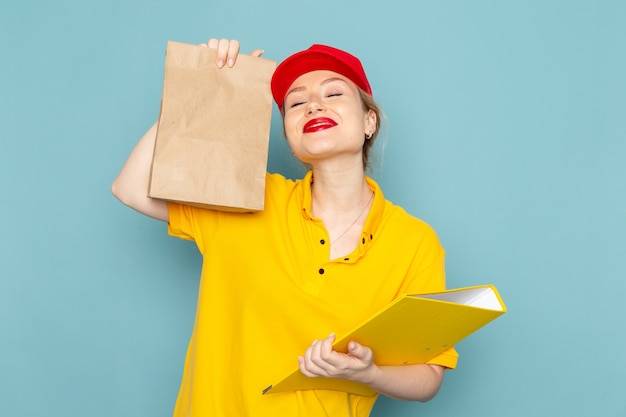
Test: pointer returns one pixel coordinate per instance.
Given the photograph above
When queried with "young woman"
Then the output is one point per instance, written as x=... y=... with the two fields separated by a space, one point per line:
x=326 y=252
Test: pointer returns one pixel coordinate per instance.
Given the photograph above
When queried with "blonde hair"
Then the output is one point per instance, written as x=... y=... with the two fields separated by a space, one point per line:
x=369 y=104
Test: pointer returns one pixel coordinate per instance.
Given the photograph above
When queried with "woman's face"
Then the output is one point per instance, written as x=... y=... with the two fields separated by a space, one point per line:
x=324 y=118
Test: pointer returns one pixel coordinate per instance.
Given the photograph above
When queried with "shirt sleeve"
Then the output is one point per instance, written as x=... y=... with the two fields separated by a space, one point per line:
x=430 y=276
x=193 y=223
x=179 y=224
x=447 y=359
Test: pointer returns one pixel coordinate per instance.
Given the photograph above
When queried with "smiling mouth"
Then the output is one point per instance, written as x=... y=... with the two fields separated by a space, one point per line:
x=316 y=125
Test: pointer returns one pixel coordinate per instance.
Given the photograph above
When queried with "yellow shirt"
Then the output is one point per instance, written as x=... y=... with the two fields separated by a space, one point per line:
x=268 y=290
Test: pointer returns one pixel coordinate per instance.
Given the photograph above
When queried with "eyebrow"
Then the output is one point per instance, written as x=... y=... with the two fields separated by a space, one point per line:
x=326 y=81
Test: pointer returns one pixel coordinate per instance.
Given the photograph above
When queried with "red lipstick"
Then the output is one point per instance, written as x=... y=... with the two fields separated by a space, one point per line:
x=318 y=124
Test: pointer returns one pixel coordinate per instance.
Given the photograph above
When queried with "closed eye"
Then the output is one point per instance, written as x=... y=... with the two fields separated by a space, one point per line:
x=296 y=104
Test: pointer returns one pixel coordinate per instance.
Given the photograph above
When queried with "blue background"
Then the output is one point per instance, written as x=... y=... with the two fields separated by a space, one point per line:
x=506 y=131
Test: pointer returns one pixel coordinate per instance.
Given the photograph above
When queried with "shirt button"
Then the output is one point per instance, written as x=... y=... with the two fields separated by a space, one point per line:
x=321 y=271
x=322 y=241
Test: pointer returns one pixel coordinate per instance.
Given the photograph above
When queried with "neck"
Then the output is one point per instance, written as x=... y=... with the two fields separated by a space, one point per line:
x=339 y=190
x=342 y=201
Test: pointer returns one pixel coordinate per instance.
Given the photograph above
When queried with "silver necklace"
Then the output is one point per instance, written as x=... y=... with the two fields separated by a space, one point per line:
x=357 y=218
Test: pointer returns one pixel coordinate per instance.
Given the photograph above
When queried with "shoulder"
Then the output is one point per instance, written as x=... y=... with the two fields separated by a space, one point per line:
x=407 y=227
x=277 y=182
x=408 y=220
x=279 y=190
x=394 y=222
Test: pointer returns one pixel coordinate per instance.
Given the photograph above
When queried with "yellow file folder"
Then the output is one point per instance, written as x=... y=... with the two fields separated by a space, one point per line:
x=412 y=329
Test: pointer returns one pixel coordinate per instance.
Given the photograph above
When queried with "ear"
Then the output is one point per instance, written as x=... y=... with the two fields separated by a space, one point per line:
x=370 y=122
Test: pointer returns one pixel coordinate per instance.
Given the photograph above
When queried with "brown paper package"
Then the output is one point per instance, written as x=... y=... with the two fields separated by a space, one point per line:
x=213 y=130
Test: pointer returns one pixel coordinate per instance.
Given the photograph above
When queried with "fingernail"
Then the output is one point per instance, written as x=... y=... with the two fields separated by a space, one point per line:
x=220 y=63
x=231 y=62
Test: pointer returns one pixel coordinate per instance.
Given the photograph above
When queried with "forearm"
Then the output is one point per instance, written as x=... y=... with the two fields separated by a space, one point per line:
x=408 y=383
x=131 y=184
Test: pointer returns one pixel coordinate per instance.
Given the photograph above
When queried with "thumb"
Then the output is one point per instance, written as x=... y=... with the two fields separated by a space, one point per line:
x=357 y=350
x=257 y=52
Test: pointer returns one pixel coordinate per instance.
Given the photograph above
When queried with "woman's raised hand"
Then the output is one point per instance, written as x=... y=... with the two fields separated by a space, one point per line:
x=227 y=51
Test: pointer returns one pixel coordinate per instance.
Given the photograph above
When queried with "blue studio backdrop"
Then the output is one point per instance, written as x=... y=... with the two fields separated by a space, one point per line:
x=505 y=130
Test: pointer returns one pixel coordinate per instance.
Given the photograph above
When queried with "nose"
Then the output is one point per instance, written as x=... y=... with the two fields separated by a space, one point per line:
x=314 y=106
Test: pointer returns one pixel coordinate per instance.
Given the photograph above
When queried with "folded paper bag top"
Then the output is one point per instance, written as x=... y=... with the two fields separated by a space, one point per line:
x=213 y=130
